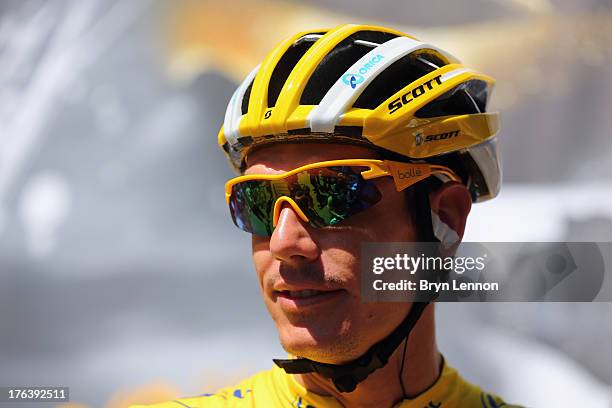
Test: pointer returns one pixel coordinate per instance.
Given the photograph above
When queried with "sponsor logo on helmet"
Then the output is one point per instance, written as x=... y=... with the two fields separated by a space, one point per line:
x=354 y=79
x=413 y=94
x=441 y=136
x=418 y=138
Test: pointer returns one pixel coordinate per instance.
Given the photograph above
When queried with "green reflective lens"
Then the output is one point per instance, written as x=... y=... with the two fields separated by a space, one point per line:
x=326 y=195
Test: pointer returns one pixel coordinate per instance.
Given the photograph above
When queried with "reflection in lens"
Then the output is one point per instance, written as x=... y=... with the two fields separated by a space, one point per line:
x=251 y=205
x=327 y=196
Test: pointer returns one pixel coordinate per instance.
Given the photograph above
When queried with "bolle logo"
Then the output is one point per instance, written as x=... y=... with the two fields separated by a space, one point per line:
x=413 y=94
x=354 y=79
x=441 y=136
x=409 y=174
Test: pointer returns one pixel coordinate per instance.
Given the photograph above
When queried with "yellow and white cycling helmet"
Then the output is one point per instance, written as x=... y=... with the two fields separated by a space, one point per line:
x=379 y=88
x=370 y=86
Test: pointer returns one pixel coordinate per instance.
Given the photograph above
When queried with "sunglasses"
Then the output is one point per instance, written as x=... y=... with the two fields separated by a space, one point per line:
x=322 y=194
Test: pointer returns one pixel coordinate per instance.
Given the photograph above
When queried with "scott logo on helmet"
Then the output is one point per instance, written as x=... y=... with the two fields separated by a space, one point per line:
x=441 y=136
x=413 y=94
x=354 y=79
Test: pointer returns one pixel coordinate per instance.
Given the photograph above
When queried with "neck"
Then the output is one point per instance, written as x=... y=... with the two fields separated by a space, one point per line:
x=383 y=388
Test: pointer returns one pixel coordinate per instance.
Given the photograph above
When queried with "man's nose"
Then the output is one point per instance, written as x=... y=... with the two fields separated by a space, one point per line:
x=291 y=241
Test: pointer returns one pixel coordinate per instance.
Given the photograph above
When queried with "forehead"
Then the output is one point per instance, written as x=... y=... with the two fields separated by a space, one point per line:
x=287 y=156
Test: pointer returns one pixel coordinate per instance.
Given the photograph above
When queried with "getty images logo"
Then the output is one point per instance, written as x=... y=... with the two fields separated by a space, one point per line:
x=353 y=79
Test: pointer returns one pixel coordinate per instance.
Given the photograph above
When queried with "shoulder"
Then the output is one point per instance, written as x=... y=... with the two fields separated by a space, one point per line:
x=452 y=390
x=238 y=396
x=472 y=396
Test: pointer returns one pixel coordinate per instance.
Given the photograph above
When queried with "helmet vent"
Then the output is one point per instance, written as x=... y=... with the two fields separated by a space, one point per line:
x=338 y=60
x=287 y=62
x=466 y=98
x=246 y=97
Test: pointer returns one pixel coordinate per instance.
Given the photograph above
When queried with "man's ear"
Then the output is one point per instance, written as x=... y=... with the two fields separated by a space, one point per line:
x=452 y=204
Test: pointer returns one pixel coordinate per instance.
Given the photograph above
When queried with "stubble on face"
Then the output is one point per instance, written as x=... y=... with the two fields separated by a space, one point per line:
x=331 y=335
x=323 y=333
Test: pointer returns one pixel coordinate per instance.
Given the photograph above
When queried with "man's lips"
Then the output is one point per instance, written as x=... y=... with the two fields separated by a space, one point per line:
x=295 y=300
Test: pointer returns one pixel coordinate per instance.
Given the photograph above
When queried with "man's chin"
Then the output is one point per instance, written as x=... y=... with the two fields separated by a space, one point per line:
x=331 y=348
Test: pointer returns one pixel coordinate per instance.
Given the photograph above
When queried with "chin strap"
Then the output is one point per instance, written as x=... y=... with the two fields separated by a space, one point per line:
x=346 y=376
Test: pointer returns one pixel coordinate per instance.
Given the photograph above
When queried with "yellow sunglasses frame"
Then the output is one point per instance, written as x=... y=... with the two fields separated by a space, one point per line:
x=404 y=175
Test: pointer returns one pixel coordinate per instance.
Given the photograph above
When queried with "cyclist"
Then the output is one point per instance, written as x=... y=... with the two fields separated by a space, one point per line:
x=344 y=136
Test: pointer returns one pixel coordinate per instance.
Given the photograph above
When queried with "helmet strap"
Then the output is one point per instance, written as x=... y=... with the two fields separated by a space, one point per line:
x=346 y=376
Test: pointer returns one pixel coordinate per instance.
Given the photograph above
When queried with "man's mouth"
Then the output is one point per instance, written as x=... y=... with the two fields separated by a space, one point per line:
x=293 y=300
x=301 y=293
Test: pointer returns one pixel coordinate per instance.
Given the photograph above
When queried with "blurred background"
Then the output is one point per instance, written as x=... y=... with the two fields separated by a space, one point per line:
x=121 y=273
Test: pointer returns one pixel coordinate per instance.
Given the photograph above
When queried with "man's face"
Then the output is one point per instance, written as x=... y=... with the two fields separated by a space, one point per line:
x=329 y=323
